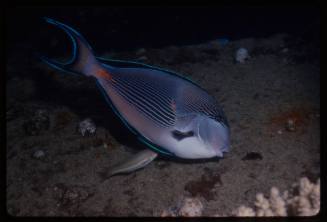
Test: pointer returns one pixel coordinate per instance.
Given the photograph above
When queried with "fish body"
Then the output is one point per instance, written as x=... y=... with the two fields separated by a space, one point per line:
x=166 y=111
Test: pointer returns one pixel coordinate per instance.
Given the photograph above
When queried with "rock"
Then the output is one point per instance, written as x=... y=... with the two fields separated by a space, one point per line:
x=286 y=60
x=71 y=196
x=285 y=50
x=290 y=125
x=140 y=51
x=86 y=126
x=241 y=55
x=252 y=156
x=39 y=154
x=222 y=41
x=40 y=121
x=20 y=89
x=13 y=112
x=143 y=58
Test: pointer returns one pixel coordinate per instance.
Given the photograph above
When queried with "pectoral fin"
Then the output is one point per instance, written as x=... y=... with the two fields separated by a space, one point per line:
x=136 y=162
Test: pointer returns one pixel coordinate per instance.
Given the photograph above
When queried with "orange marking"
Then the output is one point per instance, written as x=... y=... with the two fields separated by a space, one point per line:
x=300 y=115
x=173 y=105
x=101 y=73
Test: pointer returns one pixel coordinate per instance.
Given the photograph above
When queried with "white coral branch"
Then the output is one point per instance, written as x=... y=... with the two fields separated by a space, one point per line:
x=306 y=203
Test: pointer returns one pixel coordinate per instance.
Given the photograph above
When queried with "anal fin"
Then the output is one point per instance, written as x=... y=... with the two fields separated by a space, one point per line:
x=137 y=161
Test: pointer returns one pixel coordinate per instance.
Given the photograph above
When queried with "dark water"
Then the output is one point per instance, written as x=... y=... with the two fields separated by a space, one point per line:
x=123 y=28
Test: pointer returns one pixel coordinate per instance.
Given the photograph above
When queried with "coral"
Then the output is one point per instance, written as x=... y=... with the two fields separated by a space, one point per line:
x=304 y=200
x=244 y=211
x=274 y=206
x=170 y=212
x=87 y=126
x=189 y=207
x=307 y=203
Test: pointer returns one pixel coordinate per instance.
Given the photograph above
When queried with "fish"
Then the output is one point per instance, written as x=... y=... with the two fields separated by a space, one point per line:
x=169 y=113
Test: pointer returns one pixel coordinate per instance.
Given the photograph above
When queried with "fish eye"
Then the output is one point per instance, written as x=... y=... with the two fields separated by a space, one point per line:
x=178 y=135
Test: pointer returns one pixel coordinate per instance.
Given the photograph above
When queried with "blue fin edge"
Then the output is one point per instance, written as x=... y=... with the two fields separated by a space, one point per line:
x=148 y=66
x=66 y=29
x=57 y=65
x=153 y=146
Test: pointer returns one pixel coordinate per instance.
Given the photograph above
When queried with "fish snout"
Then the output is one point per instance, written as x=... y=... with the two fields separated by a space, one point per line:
x=215 y=135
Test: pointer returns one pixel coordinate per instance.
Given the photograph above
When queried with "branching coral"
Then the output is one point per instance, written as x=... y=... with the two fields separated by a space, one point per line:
x=304 y=200
x=307 y=203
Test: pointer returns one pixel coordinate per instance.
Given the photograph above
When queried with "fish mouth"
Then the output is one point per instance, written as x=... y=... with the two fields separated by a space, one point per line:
x=220 y=152
x=226 y=147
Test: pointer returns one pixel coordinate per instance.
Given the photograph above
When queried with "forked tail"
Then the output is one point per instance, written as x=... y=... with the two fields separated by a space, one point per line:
x=82 y=61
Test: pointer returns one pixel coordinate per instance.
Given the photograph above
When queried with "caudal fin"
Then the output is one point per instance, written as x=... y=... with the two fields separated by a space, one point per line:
x=82 y=61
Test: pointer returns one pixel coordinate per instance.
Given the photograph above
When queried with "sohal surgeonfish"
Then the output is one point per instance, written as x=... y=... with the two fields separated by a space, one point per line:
x=168 y=112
